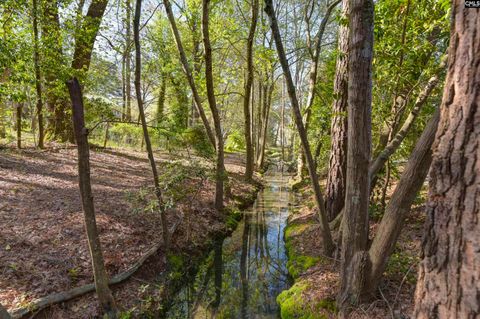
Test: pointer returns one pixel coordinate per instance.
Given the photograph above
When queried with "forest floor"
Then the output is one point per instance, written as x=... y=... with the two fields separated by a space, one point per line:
x=317 y=279
x=43 y=247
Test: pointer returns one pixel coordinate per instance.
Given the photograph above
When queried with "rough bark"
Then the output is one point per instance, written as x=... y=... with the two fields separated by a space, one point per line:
x=337 y=166
x=188 y=72
x=399 y=205
x=326 y=235
x=248 y=91
x=220 y=166
x=146 y=136
x=38 y=78
x=104 y=294
x=265 y=117
x=355 y=230
x=449 y=275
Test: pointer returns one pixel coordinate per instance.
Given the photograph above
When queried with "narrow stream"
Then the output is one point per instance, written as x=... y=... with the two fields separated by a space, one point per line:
x=245 y=272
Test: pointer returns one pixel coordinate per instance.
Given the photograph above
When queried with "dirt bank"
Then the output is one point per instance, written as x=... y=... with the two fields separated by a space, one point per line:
x=43 y=248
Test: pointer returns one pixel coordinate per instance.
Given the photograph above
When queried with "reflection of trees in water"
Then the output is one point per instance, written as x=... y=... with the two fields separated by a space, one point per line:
x=242 y=278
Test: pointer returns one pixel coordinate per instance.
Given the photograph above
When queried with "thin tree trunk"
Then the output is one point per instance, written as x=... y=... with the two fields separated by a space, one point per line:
x=247 y=94
x=220 y=169
x=337 y=167
x=104 y=294
x=161 y=100
x=326 y=235
x=105 y=140
x=399 y=205
x=18 y=124
x=355 y=230
x=146 y=137
x=266 y=115
x=393 y=145
x=38 y=78
x=448 y=283
x=128 y=67
x=188 y=72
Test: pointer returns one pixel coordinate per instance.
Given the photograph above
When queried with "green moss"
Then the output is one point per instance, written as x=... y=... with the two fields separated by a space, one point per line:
x=293 y=305
x=327 y=304
x=177 y=265
x=298 y=264
x=294 y=229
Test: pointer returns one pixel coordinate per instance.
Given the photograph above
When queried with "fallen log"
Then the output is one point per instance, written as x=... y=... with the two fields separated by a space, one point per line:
x=47 y=301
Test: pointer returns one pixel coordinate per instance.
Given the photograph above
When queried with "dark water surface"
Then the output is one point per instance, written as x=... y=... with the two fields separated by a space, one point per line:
x=245 y=272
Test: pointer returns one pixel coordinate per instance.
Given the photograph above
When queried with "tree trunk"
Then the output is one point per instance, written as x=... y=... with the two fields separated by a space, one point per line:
x=326 y=235
x=449 y=275
x=146 y=137
x=265 y=115
x=18 y=124
x=337 y=167
x=393 y=145
x=312 y=78
x=355 y=230
x=188 y=72
x=104 y=294
x=220 y=169
x=128 y=67
x=38 y=78
x=247 y=94
x=399 y=205
x=161 y=99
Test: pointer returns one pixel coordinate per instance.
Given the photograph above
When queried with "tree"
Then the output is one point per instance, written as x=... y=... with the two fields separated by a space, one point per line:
x=104 y=294
x=220 y=167
x=337 y=167
x=326 y=235
x=38 y=79
x=146 y=137
x=449 y=278
x=355 y=230
x=127 y=57
x=188 y=71
x=248 y=93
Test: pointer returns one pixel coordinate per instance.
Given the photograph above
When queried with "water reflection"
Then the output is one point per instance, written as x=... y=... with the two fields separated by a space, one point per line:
x=245 y=272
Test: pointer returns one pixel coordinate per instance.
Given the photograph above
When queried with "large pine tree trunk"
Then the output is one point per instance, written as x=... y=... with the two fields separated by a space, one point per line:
x=146 y=136
x=104 y=294
x=355 y=230
x=337 y=167
x=449 y=276
x=247 y=94
x=326 y=235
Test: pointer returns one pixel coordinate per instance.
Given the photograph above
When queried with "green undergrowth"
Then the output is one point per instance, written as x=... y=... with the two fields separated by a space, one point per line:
x=293 y=305
x=292 y=302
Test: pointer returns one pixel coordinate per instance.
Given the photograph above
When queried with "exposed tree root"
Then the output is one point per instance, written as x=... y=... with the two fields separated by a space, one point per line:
x=55 y=298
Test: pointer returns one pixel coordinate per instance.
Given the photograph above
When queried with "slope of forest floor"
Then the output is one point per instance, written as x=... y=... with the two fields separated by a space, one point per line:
x=43 y=247
x=316 y=278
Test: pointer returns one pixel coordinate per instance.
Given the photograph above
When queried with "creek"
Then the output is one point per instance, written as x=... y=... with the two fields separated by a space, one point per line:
x=244 y=273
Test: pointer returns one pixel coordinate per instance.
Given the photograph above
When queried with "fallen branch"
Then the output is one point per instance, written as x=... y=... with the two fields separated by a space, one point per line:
x=55 y=298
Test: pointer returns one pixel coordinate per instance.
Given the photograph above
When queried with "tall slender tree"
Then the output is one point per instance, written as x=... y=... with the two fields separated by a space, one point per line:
x=220 y=166
x=449 y=279
x=38 y=78
x=248 y=91
x=326 y=235
x=141 y=111
x=100 y=276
